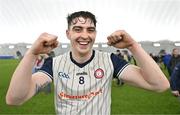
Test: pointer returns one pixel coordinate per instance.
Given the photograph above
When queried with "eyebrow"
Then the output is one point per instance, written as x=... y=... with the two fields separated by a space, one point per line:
x=82 y=27
x=76 y=27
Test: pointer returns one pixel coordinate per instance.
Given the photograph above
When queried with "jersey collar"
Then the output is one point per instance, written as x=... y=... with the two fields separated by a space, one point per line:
x=82 y=64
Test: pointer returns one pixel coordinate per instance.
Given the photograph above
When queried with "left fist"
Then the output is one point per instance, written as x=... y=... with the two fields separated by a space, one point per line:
x=120 y=39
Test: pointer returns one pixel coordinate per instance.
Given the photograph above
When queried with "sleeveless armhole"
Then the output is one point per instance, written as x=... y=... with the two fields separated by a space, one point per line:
x=119 y=65
x=47 y=67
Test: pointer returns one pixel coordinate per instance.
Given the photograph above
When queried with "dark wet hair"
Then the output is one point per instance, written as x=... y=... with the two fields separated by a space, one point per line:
x=84 y=14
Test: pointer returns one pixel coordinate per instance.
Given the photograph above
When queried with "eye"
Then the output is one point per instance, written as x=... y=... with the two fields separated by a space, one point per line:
x=77 y=29
x=91 y=30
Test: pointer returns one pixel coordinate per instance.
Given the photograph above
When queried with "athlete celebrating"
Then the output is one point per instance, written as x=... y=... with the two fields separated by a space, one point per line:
x=82 y=77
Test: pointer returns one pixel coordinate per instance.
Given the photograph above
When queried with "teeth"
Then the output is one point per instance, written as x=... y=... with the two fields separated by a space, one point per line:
x=83 y=43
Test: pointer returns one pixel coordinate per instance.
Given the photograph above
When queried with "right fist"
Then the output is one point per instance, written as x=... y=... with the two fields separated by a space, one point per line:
x=44 y=44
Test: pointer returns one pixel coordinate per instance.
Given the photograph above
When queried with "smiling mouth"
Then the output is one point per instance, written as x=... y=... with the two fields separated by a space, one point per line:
x=83 y=42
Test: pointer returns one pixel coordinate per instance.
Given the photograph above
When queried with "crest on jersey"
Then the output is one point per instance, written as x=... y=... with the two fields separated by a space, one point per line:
x=99 y=73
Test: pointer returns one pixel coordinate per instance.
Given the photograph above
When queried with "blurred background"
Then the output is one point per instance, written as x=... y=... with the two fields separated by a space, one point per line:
x=145 y=20
x=155 y=24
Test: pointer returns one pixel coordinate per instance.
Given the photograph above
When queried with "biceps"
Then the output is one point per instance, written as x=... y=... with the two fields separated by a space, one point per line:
x=132 y=75
x=40 y=80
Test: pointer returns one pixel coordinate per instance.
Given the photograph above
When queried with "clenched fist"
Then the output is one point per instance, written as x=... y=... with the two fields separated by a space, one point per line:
x=120 y=39
x=44 y=44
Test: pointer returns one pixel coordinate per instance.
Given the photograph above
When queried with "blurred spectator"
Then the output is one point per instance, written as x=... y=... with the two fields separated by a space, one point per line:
x=156 y=58
x=175 y=81
x=126 y=55
x=165 y=58
x=39 y=62
x=174 y=59
x=118 y=53
x=19 y=55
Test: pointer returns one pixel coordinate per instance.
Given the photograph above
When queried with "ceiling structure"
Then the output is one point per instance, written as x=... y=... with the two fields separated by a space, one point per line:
x=144 y=20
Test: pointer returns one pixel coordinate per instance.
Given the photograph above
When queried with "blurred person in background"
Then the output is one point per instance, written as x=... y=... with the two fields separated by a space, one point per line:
x=126 y=55
x=155 y=57
x=39 y=62
x=175 y=58
x=164 y=60
x=119 y=54
x=175 y=81
x=19 y=55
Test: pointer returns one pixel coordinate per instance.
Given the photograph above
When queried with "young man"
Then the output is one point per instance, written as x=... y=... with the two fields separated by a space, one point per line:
x=175 y=81
x=175 y=58
x=82 y=76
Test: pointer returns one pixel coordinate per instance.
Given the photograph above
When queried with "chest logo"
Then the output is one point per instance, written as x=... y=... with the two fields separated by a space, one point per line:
x=99 y=73
x=63 y=75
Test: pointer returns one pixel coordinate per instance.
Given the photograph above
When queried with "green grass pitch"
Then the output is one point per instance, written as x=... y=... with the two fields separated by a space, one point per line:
x=125 y=99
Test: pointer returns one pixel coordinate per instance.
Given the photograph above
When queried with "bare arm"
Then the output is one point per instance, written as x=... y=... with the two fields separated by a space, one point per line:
x=147 y=74
x=23 y=84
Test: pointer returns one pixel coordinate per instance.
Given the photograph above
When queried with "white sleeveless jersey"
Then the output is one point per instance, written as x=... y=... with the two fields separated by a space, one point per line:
x=84 y=89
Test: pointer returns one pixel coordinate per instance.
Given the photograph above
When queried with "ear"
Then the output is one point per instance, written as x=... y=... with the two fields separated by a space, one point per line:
x=67 y=34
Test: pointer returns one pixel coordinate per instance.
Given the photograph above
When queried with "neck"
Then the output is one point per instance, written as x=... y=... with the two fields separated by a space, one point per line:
x=81 y=57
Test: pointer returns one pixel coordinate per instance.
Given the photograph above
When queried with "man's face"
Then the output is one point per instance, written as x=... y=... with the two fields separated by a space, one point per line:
x=82 y=34
x=175 y=52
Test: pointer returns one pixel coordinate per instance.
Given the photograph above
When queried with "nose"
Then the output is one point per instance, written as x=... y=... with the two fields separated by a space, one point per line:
x=84 y=34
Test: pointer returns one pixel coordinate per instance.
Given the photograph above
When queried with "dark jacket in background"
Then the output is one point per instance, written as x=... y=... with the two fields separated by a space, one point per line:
x=175 y=78
x=173 y=61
